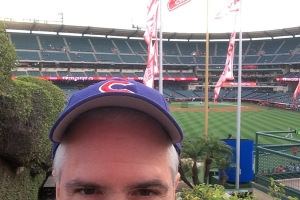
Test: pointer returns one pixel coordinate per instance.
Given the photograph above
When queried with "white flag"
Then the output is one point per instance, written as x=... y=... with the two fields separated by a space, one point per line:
x=152 y=15
x=231 y=6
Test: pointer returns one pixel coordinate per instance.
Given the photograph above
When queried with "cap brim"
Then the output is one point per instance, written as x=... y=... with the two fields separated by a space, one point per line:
x=120 y=99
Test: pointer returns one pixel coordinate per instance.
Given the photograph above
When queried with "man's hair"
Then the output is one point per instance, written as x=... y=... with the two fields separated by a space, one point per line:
x=114 y=113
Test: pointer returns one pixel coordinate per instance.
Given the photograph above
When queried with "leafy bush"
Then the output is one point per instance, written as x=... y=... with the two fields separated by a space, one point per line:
x=210 y=192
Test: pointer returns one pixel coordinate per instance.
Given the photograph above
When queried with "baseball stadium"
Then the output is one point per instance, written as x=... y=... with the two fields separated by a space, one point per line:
x=74 y=57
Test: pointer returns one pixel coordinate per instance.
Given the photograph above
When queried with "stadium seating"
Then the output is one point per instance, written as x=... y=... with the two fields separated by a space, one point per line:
x=289 y=45
x=187 y=59
x=170 y=48
x=255 y=47
x=111 y=58
x=281 y=58
x=20 y=73
x=25 y=41
x=218 y=60
x=91 y=73
x=187 y=48
x=52 y=42
x=294 y=58
x=132 y=59
x=266 y=59
x=122 y=46
x=77 y=74
x=172 y=59
x=271 y=46
x=102 y=45
x=34 y=73
x=54 y=56
x=63 y=73
x=136 y=46
x=34 y=47
x=80 y=44
x=222 y=48
x=48 y=73
x=250 y=59
x=28 y=55
x=82 y=57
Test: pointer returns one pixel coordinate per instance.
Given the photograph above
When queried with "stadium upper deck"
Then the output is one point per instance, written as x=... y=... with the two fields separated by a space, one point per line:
x=66 y=48
x=265 y=59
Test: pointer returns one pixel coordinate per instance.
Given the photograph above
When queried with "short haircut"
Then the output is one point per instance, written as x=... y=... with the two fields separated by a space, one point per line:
x=114 y=113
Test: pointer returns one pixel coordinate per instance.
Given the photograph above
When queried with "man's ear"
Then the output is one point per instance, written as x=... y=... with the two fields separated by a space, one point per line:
x=57 y=188
x=177 y=179
x=54 y=175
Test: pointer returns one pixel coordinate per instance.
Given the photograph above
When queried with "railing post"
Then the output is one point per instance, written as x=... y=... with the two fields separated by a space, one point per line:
x=256 y=155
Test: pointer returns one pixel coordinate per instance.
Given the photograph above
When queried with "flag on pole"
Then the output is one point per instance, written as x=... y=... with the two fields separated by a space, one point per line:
x=152 y=64
x=230 y=57
x=231 y=6
x=220 y=82
x=150 y=33
x=152 y=15
x=174 y=4
x=297 y=91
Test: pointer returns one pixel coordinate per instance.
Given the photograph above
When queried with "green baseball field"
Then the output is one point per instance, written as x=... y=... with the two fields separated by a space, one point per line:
x=222 y=120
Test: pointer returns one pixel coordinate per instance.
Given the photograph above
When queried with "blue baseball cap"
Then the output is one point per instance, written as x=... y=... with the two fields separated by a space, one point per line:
x=121 y=93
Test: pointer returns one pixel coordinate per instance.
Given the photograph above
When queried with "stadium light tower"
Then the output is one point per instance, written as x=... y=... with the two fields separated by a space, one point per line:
x=61 y=18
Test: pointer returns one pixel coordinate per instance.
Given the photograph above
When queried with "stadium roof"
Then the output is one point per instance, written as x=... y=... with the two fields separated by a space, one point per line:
x=72 y=29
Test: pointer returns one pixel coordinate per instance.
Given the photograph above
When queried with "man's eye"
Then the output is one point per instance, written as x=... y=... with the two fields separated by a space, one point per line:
x=87 y=191
x=146 y=192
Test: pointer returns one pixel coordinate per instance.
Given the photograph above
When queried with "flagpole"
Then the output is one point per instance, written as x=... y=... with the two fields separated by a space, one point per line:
x=238 y=128
x=206 y=73
x=160 y=87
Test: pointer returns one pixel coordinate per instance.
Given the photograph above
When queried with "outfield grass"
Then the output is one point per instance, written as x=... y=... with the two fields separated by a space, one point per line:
x=222 y=123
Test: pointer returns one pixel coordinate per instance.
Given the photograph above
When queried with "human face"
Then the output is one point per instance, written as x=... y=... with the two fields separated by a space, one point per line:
x=107 y=159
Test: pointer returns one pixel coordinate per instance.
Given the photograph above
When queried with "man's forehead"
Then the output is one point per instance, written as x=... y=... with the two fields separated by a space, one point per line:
x=121 y=124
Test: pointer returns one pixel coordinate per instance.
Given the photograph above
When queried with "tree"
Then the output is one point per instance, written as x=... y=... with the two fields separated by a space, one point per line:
x=28 y=108
x=8 y=58
x=208 y=149
x=215 y=148
x=193 y=150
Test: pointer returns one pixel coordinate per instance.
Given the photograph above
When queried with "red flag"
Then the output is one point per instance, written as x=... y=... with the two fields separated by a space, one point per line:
x=174 y=4
x=150 y=33
x=152 y=64
x=220 y=82
x=148 y=79
x=297 y=91
x=231 y=6
x=230 y=57
x=152 y=15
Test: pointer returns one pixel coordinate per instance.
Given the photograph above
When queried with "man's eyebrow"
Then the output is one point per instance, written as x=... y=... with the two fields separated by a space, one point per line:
x=77 y=183
x=148 y=184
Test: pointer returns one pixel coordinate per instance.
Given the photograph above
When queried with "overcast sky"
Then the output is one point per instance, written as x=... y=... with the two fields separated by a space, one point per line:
x=256 y=14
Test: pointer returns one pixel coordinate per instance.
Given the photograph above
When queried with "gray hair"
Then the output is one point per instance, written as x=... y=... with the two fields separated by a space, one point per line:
x=114 y=112
x=61 y=155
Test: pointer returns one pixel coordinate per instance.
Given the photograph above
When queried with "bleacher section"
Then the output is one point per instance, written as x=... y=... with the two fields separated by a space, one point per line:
x=54 y=56
x=122 y=46
x=34 y=47
x=25 y=41
x=52 y=42
x=82 y=57
x=80 y=44
x=28 y=55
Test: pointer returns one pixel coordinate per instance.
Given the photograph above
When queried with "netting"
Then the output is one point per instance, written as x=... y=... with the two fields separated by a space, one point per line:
x=280 y=159
x=184 y=104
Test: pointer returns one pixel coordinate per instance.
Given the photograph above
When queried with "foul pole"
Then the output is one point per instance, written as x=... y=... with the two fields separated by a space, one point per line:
x=238 y=127
x=206 y=73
